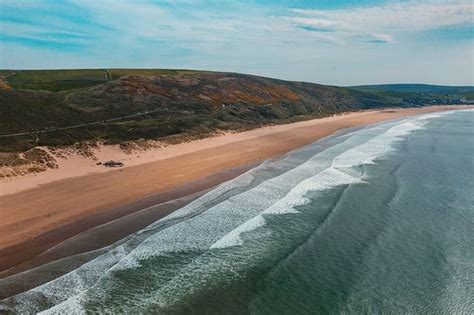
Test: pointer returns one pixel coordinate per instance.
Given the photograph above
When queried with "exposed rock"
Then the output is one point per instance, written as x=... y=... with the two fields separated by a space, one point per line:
x=112 y=163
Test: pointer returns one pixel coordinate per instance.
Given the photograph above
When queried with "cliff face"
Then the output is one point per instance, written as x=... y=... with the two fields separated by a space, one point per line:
x=184 y=104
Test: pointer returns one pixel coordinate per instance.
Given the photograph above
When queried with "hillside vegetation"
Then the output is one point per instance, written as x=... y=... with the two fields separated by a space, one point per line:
x=62 y=107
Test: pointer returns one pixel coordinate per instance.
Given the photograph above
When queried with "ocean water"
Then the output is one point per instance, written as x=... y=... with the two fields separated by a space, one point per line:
x=374 y=220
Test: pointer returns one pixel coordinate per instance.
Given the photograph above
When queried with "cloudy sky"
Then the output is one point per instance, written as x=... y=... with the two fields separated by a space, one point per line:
x=341 y=42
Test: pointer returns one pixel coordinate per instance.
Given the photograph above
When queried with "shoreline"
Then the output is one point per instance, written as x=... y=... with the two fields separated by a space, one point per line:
x=101 y=197
x=21 y=264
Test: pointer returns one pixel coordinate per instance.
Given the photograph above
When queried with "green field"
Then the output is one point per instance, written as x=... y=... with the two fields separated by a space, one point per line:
x=54 y=80
x=62 y=80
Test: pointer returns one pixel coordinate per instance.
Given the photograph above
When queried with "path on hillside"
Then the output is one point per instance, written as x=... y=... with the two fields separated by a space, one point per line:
x=33 y=132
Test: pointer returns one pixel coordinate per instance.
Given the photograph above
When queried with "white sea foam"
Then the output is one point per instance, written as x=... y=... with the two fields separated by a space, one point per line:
x=327 y=179
x=234 y=237
x=71 y=284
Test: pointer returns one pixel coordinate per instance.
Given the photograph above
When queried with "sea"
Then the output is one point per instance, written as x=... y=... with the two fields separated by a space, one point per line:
x=373 y=220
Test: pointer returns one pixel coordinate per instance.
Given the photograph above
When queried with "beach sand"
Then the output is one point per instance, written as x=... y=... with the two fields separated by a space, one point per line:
x=41 y=210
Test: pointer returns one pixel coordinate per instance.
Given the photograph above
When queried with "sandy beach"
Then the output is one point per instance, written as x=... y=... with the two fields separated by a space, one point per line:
x=44 y=209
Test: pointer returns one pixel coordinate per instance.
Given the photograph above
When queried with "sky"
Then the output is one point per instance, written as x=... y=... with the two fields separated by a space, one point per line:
x=337 y=42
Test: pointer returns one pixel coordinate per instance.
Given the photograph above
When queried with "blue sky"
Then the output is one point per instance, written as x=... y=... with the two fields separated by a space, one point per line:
x=340 y=42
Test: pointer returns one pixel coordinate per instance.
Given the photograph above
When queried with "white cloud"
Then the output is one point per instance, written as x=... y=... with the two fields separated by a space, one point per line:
x=317 y=22
x=381 y=22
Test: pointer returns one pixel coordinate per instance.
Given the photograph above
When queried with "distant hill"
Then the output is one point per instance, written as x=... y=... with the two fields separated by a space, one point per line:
x=62 y=107
x=418 y=88
x=421 y=93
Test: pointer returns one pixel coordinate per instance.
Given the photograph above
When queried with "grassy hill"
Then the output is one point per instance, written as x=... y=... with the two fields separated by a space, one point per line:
x=421 y=93
x=62 y=107
x=62 y=80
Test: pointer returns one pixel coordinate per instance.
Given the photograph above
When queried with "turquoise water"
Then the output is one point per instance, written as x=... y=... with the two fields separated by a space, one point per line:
x=376 y=220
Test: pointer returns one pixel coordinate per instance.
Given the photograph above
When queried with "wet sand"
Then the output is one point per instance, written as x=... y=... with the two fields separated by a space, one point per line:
x=56 y=252
x=37 y=218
